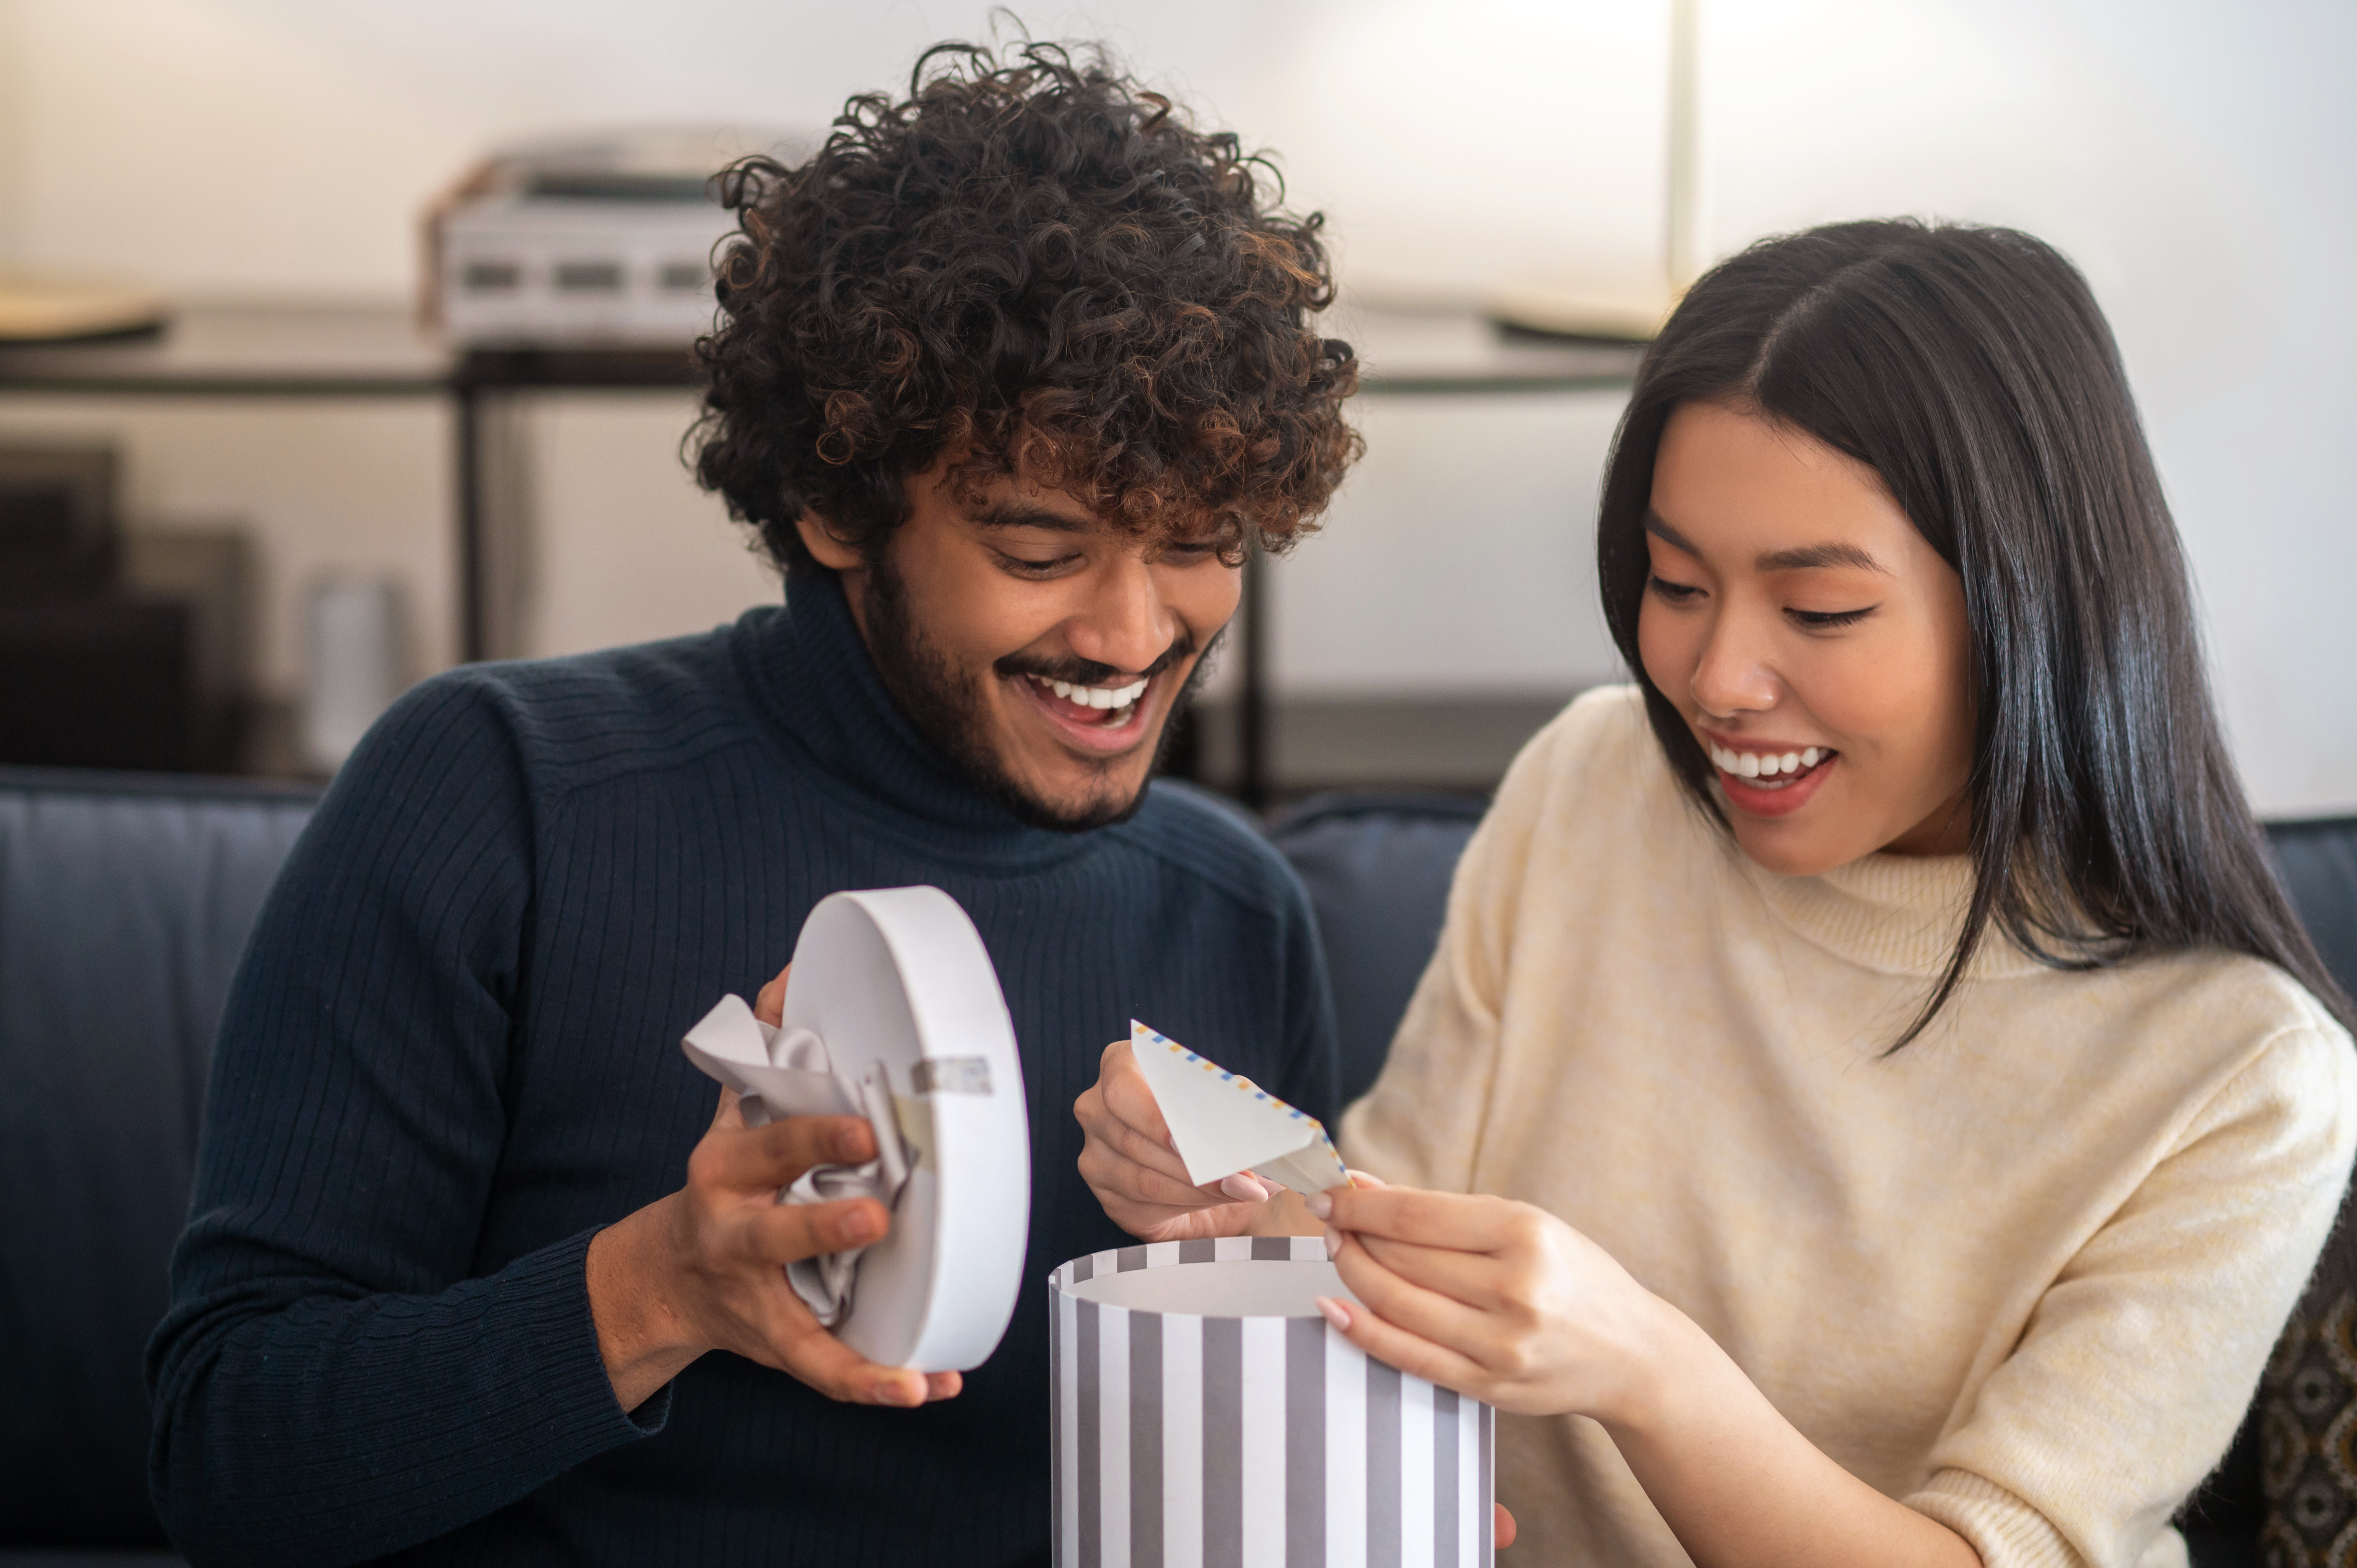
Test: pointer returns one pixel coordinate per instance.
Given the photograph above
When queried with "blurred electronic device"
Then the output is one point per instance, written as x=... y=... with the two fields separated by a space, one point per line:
x=601 y=241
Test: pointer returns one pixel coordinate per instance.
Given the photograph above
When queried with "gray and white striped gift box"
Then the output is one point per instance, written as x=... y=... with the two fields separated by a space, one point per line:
x=1206 y=1416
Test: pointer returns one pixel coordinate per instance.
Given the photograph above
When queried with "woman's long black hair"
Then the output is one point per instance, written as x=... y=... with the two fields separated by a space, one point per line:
x=1971 y=369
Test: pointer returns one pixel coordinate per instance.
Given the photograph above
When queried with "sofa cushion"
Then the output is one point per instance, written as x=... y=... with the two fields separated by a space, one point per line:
x=1377 y=865
x=124 y=905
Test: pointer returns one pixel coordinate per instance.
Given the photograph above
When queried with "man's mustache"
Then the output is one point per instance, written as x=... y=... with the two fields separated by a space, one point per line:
x=1088 y=671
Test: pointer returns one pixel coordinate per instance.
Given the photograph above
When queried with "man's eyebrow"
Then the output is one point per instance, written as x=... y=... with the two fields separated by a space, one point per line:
x=1809 y=556
x=1022 y=514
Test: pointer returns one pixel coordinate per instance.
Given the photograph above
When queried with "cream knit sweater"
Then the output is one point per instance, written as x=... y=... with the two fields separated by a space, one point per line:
x=2023 y=1274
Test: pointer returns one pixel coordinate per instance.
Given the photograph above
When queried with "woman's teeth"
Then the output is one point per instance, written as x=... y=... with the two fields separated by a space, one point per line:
x=1114 y=699
x=1781 y=766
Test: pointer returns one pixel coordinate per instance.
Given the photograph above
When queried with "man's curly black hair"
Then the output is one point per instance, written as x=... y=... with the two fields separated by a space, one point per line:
x=1042 y=268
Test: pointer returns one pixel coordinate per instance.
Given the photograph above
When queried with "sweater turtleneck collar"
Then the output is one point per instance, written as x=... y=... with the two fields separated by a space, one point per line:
x=811 y=670
x=1894 y=914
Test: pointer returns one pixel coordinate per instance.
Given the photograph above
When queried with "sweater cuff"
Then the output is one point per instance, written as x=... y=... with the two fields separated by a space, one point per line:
x=2007 y=1531
x=550 y=1289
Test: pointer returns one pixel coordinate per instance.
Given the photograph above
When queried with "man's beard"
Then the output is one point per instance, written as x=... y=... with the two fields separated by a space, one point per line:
x=945 y=704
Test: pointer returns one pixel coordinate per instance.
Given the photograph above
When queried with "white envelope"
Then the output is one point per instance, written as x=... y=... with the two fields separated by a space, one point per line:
x=1223 y=1123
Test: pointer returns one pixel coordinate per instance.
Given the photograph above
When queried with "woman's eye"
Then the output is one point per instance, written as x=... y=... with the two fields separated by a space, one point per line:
x=1673 y=592
x=1827 y=620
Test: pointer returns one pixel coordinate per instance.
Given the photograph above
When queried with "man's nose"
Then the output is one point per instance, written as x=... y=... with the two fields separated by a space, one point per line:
x=1734 y=674
x=1125 y=623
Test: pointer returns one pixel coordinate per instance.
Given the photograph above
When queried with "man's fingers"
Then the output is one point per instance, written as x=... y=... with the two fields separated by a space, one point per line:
x=1505 y=1526
x=838 y=1371
x=770 y=1006
x=761 y=1159
x=794 y=1231
x=730 y=1112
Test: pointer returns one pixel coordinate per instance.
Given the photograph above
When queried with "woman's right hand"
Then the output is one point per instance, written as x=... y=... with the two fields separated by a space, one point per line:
x=1130 y=1164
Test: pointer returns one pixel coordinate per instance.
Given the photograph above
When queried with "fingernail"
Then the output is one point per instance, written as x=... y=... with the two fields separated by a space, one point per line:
x=1333 y=1243
x=851 y=1144
x=859 y=1228
x=1336 y=1312
x=896 y=1392
x=1362 y=1178
x=1242 y=1188
x=1318 y=1204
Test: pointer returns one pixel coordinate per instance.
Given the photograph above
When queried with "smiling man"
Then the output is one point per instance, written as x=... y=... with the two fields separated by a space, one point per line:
x=1009 y=376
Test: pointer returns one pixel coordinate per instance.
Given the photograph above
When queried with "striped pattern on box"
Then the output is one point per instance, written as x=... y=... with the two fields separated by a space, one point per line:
x=1189 y=1441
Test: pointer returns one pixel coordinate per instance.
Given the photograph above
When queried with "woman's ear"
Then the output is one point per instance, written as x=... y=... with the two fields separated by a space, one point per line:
x=828 y=548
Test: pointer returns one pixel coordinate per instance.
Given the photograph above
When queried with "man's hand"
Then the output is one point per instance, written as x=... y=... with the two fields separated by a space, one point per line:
x=703 y=1268
x=1131 y=1164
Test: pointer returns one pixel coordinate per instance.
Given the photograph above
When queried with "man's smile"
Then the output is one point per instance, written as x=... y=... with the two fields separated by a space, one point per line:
x=1102 y=721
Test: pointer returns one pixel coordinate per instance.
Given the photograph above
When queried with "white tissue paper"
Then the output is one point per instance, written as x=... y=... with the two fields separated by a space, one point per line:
x=785 y=1072
x=1223 y=1123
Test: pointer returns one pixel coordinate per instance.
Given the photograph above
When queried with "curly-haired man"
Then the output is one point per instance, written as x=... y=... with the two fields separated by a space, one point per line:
x=1010 y=375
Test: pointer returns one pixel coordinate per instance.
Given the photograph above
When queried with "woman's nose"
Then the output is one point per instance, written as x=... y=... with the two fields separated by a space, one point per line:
x=1732 y=675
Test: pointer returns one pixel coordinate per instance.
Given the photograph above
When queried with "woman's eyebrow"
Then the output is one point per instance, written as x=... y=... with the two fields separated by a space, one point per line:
x=1668 y=535
x=1814 y=556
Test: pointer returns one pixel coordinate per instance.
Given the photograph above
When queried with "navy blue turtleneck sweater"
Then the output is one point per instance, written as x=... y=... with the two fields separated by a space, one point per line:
x=452 y=1053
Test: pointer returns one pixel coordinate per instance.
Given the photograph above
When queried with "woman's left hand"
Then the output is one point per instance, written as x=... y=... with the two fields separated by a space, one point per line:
x=1493 y=1298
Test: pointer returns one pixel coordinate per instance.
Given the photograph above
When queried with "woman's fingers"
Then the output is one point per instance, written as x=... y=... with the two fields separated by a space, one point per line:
x=1478 y=1280
x=1135 y=1145
x=1128 y=1152
x=1464 y=1222
x=1395 y=1347
x=1128 y=1094
x=1428 y=1314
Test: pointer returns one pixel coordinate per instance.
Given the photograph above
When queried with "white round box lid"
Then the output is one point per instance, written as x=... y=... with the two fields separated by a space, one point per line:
x=896 y=978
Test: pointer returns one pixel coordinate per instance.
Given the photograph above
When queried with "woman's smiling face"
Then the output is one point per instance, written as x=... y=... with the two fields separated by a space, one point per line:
x=1813 y=641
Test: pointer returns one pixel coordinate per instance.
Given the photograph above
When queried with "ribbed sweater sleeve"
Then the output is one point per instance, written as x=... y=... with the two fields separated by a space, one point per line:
x=333 y=1381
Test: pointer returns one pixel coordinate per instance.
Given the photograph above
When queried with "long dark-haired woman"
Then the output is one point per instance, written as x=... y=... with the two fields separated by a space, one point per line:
x=1902 y=1104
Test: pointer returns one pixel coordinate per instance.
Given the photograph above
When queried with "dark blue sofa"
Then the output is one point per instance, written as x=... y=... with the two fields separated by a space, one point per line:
x=123 y=902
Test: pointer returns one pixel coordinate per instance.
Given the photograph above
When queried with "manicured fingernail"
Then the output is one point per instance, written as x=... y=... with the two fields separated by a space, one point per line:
x=1242 y=1188
x=1361 y=1178
x=1336 y=1312
x=1318 y=1204
x=896 y=1392
x=851 y=1144
x=1333 y=1243
x=860 y=1227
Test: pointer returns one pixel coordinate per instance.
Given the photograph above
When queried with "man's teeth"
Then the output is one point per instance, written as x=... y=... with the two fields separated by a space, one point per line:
x=1095 y=696
x=1765 y=764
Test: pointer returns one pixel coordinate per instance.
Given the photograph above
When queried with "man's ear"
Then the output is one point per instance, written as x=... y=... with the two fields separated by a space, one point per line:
x=828 y=549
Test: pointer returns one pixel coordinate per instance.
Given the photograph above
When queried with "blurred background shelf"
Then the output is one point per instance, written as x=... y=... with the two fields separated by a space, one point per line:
x=1242 y=740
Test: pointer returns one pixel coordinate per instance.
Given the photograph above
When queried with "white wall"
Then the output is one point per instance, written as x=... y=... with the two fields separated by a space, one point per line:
x=2194 y=158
